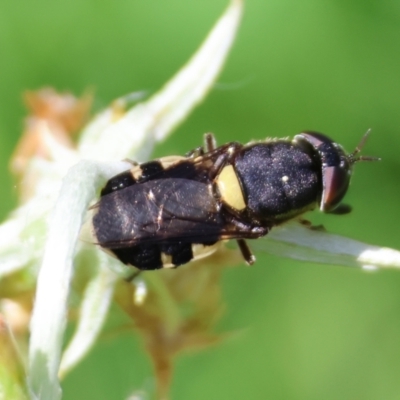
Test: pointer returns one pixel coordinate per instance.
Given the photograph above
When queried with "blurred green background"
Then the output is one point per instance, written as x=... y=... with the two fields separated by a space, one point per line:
x=306 y=331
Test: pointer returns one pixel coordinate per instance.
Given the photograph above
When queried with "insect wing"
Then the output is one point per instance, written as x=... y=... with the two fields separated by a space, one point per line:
x=157 y=211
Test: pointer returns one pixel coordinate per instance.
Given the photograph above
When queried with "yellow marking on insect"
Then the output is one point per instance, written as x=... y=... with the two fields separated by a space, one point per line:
x=166 y=259
x=136 y=172
x=230 y=189
x=200 y=251
x=168 y=161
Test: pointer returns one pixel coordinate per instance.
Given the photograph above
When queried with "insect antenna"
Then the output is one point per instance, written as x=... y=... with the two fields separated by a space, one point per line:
x=352 y=156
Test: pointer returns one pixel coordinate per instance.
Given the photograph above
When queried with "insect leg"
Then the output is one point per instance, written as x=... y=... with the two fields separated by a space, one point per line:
x=341 y=209
x=308 y=224
x=198 y=151
x=224 y=158
x=246 y=252
x=133 y=163
x=210 y=143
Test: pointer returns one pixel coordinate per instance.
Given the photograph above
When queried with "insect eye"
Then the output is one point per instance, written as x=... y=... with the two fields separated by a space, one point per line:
x=335 y=184
x=335 y=168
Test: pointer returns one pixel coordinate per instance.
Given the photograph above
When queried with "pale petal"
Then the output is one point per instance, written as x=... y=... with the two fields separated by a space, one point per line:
x=93 y=312
x=49 y=314
x=296 y=241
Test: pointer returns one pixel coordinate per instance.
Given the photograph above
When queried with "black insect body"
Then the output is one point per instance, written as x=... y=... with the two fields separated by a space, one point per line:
x=167 y=212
